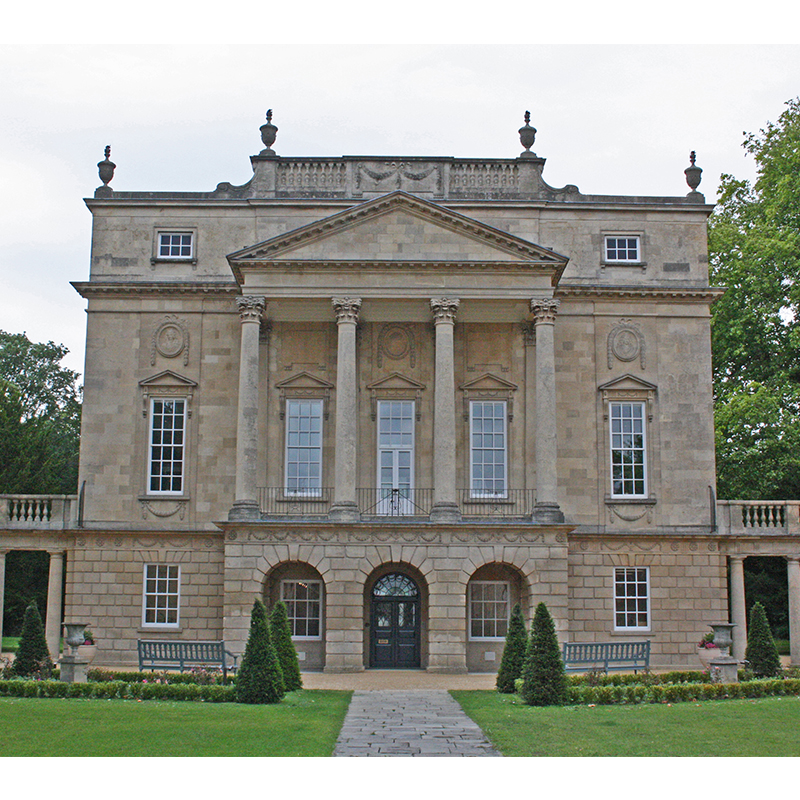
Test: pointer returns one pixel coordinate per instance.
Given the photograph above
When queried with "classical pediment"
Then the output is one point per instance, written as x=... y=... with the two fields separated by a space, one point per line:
x=167 y=378
x=396 y=228
x=396 y=381
x=488 y=383
x=304 y=380
x=628 y=383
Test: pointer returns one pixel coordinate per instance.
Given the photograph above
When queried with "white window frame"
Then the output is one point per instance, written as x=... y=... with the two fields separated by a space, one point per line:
x=395 y=505
x=628 y=598
x=309 y=491
x=473 y=492
x=617 y=237
x=159 y=256
x=643 y=418
x=292 y=618
x=171 y=607
x=494 y=619
x=151 y=445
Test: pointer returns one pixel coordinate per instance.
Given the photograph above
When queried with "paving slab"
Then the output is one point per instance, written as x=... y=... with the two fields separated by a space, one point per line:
x=426 y=723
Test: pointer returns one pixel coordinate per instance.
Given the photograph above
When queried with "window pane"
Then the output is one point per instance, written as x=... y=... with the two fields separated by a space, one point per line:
x=628 y=449
x=167 y=419
x=303 y=608
x=161 y=594
x=631 y=601
x=488 y=609
x=303 y=446
x=488 y=454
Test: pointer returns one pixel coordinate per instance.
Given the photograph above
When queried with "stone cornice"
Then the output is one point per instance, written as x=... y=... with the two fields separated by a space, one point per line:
x=707 y=294
x=89 y=289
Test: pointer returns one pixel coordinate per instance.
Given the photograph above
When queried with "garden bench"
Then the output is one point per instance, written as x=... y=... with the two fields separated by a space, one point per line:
x=582 y=657
x=161 y=654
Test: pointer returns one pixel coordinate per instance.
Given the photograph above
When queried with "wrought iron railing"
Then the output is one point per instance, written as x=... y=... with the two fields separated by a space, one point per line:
x=511 y=503
x=281 y=501
x=394 y=502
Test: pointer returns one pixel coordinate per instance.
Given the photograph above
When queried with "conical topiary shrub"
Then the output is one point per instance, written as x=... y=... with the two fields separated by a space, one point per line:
x=513 y=660
x=544 y=681
x=260 y=679
x=32 y=653
x=284 y=648
x=761 y=651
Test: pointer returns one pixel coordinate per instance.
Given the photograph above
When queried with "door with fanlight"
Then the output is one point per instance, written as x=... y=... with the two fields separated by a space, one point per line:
x=395 y=626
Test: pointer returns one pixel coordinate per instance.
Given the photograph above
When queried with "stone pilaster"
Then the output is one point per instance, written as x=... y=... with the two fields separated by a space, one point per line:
x=344 y=505
x=245 y=505
x=544 y=312
x=738 y=612
x=793 y=574
x=445 y=507
x=55 y=585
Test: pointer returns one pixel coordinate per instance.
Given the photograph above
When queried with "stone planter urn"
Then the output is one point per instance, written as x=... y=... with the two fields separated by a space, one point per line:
x=87 y=652
x=73 y=667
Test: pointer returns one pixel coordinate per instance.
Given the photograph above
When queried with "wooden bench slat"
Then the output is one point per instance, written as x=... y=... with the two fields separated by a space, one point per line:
x=164 y=654
x=582 y=656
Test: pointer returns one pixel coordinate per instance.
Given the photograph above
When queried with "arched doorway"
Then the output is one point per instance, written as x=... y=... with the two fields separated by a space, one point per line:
x=395 y=623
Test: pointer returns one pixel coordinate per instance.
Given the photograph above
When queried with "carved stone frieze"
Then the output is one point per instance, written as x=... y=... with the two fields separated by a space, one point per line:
x=396 y=342
x=406 y=176
x=251 y=308
x=544 y=310
x=444 y=309
x=346 y=308
x=163 y=509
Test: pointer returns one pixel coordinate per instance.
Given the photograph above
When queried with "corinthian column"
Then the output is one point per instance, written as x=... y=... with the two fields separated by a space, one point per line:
x=55 y=586
x=738 y=612
x=245 y=505
x=344 y=505
x=445 y=508
x=544 y=317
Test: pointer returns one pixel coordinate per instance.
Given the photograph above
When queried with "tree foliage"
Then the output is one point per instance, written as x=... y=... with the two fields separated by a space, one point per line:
x=754 y=251
x=284 y=648
x=761 y=651
x=40 y=412
x=260 y=679
x=513 y=660
x=544 y=680
x=32 y=655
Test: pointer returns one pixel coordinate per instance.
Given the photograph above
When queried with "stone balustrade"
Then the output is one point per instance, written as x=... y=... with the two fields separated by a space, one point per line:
x=758 y=516
x=38 y=511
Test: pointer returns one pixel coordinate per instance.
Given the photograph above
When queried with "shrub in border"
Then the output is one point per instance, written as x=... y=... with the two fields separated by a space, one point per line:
x=761 y=651
x=33 y=655
x=513 y=658
x=284 y=647
x=544 y=681
x=260 y=679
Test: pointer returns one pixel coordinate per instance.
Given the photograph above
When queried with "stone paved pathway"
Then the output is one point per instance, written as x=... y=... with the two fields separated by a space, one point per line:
x=409 y=723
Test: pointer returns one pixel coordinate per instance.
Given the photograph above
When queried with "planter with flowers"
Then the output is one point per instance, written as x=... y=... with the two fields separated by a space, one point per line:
x=707 y=650
x=88 y=650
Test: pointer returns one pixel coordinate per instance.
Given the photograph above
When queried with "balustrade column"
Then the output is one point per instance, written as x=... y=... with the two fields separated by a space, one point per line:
x=344 y=506
x=544 y=317
x=2 y=587
x=245 y=505
x=55 y=586
x=445 y=507
x=738 y=611
x=793 y=574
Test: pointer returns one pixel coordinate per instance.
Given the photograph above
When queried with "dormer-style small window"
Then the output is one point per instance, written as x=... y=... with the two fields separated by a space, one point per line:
x=175 y=245
x=623 y=248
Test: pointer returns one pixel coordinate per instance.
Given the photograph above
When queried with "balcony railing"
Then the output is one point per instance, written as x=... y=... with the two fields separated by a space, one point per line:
x=280 y=501
x=394 y=502
x=758 y=516
x=38 y=511
x=513 y=503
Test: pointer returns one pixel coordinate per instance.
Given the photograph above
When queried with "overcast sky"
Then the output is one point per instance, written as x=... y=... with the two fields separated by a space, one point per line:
x=612 y=119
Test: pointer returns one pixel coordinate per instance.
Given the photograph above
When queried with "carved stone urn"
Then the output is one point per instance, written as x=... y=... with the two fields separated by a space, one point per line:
x=73 y=667
x=268 y=134
x=693 y=174
x=74 y=637
x=527 y=136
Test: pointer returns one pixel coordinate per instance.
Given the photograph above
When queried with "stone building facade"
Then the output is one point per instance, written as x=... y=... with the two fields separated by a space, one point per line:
x=401 y=394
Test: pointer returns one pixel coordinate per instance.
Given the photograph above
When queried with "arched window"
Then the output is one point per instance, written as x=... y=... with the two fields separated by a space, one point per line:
x=395 y=585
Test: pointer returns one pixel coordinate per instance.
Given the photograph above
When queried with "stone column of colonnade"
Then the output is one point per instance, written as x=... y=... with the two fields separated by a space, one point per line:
x=793 y=574
x=544 y=316
x=344 y=505
x=738 y=612
x=445 y=506
x=55 y=586
x=245 y=505
x=2 y=587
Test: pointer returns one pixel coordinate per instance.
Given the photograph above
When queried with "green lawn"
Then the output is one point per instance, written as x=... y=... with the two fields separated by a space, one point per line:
x=763 y=727
x=10 y=644
x=306 y=723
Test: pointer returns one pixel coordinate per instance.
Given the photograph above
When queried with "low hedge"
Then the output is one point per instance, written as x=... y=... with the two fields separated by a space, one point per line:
x=631 y=693
x=106 y=690
x=196 y=677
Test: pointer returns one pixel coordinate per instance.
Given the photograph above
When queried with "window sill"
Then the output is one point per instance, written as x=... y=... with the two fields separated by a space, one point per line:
x=642 y=265
x=630 y=501
x=165 y=496
x=173 y=260
x=631 y=632
x=160 y=629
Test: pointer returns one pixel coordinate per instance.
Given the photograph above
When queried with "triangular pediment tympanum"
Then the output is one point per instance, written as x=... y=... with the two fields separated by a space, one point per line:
x=489 y=387
x=396 y=381
x=396 y=228
x=489 y=382
x=304 y=380
x=628 y=383
x=396 y=387
x=168 y=378
x=304 y=386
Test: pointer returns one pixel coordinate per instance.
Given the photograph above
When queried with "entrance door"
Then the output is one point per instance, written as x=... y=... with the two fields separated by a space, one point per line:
x=395 y=623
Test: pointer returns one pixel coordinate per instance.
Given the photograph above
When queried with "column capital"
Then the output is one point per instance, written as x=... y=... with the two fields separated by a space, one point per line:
x=793 y=558
x=544 y=310
x=735 y=557
x=444 y=309
x=251 y=307
x=346 y=308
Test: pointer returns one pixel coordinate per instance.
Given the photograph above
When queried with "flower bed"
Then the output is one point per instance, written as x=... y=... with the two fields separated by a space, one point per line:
x=196 y=675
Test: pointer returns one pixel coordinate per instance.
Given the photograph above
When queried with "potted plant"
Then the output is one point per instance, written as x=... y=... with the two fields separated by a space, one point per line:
x=707 y=650
x=88 y=650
